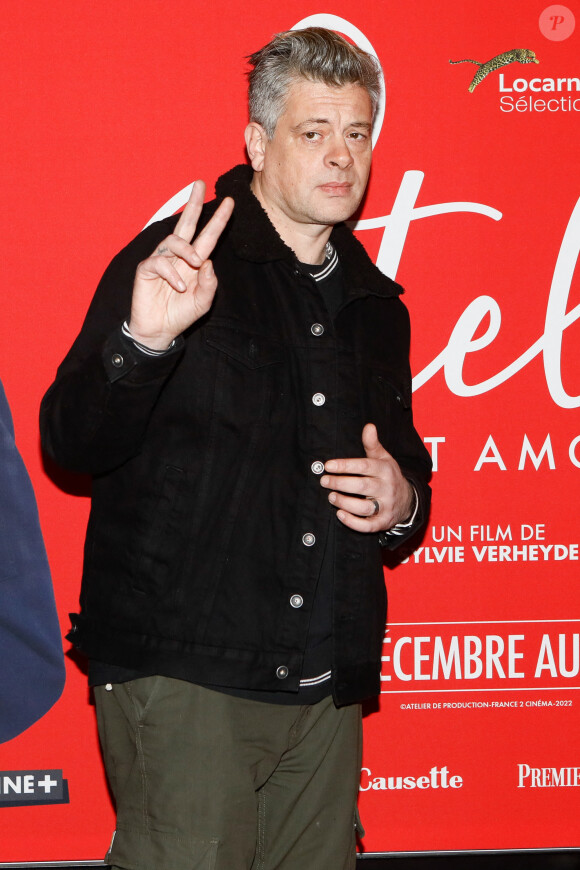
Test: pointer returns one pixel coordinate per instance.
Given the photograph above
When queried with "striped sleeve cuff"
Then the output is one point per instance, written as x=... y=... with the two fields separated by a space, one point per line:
x=143 y=348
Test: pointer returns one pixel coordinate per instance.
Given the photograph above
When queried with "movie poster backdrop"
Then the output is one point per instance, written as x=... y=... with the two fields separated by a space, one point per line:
x=109 y=112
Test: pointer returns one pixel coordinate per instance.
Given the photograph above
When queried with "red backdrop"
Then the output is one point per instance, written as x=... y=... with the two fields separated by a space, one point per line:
x=109 y=110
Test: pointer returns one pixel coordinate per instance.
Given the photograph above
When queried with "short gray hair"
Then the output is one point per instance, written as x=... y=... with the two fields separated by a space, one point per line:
x=314 y=53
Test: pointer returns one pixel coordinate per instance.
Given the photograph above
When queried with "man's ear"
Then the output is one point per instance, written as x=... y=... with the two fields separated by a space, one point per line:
x=256 y=140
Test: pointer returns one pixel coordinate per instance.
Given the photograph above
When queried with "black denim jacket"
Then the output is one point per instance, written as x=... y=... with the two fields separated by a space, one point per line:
x=207 y=514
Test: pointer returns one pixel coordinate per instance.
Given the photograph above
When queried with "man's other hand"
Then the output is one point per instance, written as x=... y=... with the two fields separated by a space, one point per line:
x=370 y=492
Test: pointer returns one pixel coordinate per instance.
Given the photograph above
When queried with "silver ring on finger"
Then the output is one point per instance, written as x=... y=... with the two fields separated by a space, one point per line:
x=377 y=505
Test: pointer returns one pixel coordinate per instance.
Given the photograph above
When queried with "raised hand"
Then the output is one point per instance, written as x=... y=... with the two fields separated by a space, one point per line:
x=386 y=495
x=175 y=286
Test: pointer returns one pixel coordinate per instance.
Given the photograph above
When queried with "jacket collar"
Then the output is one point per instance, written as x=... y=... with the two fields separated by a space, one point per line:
x=255 y=239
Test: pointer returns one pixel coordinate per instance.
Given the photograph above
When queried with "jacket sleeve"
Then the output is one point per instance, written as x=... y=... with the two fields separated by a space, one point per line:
x=95 y=414
x=418 y=472
x=412 y=456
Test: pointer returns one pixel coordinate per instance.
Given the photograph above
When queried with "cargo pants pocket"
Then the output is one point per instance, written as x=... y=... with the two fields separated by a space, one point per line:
x=158 y=850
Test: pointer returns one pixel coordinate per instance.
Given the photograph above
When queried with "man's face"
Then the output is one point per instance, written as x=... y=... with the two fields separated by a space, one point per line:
x=315 y=168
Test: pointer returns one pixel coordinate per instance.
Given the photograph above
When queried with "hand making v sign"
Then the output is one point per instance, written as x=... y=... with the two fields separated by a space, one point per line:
x=175 y=286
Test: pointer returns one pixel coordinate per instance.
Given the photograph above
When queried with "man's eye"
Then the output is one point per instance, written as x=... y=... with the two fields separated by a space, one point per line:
x=311 y=134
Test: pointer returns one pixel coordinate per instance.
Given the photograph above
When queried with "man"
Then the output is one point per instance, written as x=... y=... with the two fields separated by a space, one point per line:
x=247 y=421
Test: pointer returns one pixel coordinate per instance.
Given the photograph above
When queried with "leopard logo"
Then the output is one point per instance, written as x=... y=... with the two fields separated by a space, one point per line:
x=516 y=55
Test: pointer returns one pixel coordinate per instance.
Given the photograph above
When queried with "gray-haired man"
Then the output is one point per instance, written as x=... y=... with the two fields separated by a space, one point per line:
x=248 y=424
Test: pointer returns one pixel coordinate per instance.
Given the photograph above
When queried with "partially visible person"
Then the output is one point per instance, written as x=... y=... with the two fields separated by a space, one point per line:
x=32 y=671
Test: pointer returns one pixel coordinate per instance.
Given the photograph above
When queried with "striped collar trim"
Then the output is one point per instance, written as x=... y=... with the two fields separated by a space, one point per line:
x=330 y=264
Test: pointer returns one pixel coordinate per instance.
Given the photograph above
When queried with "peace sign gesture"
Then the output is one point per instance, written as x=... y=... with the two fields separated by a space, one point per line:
x=175 y=286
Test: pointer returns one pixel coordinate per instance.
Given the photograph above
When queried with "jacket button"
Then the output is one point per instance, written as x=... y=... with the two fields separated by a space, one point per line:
x=117 y=360
x=296 y=601
x=282 y=672
x=318 y=399
x=317 y=467
x=109 y=687
x=308 y=539
x=317 y=329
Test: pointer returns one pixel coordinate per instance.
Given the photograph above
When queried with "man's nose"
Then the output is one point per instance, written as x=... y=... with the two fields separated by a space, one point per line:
x=338 y=154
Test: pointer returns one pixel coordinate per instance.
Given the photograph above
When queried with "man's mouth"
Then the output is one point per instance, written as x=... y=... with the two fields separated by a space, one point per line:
x=337 y=188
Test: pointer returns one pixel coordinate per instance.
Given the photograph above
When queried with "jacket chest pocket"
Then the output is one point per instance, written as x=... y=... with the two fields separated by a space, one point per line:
x=249 y=375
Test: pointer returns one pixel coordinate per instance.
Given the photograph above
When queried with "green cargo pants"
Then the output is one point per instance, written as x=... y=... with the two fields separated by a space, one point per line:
x=206 y=781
